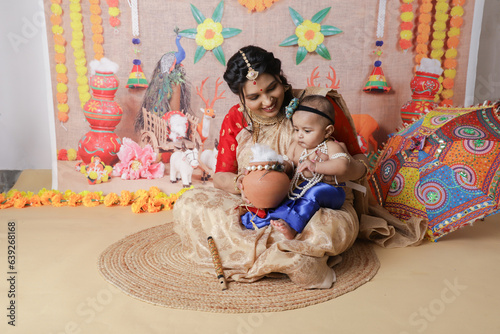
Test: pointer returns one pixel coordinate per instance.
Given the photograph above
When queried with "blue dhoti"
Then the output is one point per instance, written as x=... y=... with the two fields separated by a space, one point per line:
x=298 y=212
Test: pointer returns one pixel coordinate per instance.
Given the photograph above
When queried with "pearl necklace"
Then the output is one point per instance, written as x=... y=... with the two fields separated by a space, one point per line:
x=298 y=177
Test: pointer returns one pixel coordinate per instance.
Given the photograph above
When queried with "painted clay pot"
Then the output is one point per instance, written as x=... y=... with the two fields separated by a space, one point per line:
x=265 y=188
x=424 y=87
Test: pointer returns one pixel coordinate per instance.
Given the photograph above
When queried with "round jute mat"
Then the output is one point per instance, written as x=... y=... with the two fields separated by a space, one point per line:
x=149 y=266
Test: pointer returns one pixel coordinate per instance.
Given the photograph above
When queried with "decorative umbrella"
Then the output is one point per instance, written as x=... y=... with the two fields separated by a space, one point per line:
x=444 y=167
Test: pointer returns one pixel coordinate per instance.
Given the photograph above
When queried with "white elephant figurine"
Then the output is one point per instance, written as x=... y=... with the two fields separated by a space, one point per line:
x=182 y=164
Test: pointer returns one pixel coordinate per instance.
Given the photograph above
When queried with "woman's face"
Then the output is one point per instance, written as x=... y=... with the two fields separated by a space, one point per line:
x=265 y=97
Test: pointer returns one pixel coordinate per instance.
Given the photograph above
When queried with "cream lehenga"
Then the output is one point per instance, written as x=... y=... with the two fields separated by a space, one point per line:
x=248 y=255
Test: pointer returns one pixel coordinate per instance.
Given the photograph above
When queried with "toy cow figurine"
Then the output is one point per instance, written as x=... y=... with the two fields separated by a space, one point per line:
x=182 y=164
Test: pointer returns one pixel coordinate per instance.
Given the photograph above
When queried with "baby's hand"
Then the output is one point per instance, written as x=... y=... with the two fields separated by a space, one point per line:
x=308 y=164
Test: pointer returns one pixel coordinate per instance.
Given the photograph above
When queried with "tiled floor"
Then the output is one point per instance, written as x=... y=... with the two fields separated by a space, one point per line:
x=8 y=178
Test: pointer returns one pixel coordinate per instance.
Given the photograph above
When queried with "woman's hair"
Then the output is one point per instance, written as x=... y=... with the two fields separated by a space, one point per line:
x=261 y=61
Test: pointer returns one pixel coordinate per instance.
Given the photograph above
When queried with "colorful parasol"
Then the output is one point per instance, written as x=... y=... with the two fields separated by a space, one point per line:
x=444 y=167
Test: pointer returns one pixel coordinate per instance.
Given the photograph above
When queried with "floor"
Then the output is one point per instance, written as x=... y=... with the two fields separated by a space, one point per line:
x=446 y=287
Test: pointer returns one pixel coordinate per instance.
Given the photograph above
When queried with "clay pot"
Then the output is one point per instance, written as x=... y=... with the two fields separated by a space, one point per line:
x=265 y=188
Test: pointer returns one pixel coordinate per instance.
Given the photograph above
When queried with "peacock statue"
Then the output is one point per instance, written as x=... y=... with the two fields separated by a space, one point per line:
x=168 y=89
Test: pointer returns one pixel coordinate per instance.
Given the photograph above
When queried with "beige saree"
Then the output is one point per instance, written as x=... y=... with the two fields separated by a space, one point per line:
x=248 y=255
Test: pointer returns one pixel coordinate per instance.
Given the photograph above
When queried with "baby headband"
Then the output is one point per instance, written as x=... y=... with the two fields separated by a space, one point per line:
x=252 y=74
x=315 y=111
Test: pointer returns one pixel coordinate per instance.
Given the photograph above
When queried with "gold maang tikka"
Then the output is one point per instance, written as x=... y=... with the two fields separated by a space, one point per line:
x=252 y=74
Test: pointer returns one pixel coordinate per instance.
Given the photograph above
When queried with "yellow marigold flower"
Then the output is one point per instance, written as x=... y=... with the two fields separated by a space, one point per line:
x=451 y=73
x=309 y=35
x=454 y=31
x=59 y=48
x=451 y=53
x=437 y=44
x=114 y=11
x=57 y=29
x=447 y=93
x=81 y=70
x=209 y=34
x=63 y=107
x=56 y=9
x=407 y=17
x=77 y=44
x=61 y=68
x=437 y=54
x=457 y=11
x=75 y=7
x=406 y=34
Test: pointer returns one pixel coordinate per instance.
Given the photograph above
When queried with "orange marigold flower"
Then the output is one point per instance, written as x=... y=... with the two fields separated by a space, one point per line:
x=448 y=83
x=111 y=199
x=91 y=199
x=59 y=39
x=425 y=8
x=452 y=42
x=46 y=197
x=153 y=191
x=98 y=38
x=450 y=63
x=20 y=202
x=424 y=18
x=62 y=116
x=113 y=21
x=456 y=21
x=58 y=2
x=446 y=103
x=58 y=200
x=6 y=203
x=154 y=205
x=422 y=39
x=35 y=201
x=74 y=200
x=418 y=57
x=404 y=44
x=140 y=205
x=97 y=29
x=112 y=3
x=98 y=48
x=424 y=29
x=406 y=7
x=422 y=48
x=62 y=78
x=62 y=97
x=95 y=19
x=458 y=2
x=406 y=25
x=56 y=20
x=96 y=10
x=125 y=197
x=60 y=58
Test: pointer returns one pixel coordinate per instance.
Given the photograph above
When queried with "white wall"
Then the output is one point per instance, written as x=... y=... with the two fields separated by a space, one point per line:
x=25 y=125
x=24 y=121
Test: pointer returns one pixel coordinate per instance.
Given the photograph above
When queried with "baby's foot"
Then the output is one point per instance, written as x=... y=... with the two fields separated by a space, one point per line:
x=284 y=228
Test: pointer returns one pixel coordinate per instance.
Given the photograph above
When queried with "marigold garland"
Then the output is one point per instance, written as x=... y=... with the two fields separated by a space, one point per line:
x=60 y=59
x=423 y=30
x=450 y=63
x=406 y=34
x=439 y=35
x=113 y=12
x=141 y=201
x=78 y=51
x=257 y=5
x=97 y=29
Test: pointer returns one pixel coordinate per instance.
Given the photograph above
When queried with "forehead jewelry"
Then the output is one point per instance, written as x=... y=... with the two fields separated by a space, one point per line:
x=252 y=74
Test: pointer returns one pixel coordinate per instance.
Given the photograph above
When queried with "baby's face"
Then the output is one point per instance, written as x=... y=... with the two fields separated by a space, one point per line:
x=309 y=129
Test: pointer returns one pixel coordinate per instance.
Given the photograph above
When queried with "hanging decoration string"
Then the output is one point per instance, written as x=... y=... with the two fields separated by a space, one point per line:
x=376 y=81
x=79 y=51
x=406 y=34
x=113 y=12
x=450 y=62
x=60 y=58
x=423 y=30
x=97 y=29
x=439 y=35
x=136 y=77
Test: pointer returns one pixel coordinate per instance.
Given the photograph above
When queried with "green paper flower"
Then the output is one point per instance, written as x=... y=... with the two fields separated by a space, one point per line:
x=310 y=34
x=209 y=34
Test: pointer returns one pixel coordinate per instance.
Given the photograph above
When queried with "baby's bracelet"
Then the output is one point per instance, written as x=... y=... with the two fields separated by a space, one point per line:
x=235 y=181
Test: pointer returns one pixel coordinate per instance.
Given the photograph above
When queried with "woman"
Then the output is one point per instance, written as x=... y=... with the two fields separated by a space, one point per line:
x=255 y=76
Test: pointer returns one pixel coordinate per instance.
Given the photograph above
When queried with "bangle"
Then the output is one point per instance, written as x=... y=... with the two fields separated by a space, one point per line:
x=235 y=181
x=366 y=169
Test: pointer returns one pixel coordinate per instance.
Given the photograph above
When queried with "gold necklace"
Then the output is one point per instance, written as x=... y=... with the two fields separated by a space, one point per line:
x=257 y=121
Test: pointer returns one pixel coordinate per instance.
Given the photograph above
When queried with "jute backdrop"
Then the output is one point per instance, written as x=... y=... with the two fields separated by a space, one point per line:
x=351 y=57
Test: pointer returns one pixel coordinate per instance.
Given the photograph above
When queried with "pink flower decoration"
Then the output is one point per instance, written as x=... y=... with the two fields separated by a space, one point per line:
x=137 y=162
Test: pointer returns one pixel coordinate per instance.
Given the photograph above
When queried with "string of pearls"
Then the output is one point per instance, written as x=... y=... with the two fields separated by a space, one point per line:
x=298 y=177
